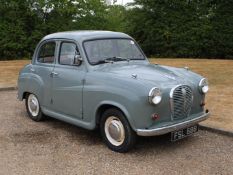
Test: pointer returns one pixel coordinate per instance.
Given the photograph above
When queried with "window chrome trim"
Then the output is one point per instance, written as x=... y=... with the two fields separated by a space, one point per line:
x=59 y=50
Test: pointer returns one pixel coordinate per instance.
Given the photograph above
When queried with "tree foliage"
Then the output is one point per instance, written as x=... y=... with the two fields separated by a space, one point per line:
x=24 y=22
x=191 y=28
x=164 y=28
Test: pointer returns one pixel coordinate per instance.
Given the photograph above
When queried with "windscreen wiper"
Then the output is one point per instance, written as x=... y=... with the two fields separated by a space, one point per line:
x=111 y=60
x=116 y=59
x=103 y=61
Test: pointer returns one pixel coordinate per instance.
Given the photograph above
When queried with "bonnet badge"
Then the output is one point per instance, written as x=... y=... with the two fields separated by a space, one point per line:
x=134 y=76
x=170 y=77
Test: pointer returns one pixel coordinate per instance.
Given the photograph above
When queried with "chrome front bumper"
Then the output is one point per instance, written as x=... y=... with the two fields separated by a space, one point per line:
x=170 y=128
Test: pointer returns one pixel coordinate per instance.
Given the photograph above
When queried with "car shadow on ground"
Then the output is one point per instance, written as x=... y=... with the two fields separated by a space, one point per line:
x=85 y=137
x=57 y=129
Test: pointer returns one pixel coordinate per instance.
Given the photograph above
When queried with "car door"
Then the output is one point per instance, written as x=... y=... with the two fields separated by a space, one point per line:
x=42 y=69
x=68 y=82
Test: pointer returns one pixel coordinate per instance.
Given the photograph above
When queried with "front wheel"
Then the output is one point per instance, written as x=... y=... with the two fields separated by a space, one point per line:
x=116 y=131
x=33 y=108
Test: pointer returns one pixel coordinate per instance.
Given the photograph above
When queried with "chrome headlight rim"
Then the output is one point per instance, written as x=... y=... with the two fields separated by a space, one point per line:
x=155 y=96
x=203 y=86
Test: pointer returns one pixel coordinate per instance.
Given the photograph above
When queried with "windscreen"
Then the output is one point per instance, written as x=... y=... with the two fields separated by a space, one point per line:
x=98 y=50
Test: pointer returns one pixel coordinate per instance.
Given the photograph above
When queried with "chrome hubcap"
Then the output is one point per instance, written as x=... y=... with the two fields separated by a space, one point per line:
x=114 y=131
x=33 y=105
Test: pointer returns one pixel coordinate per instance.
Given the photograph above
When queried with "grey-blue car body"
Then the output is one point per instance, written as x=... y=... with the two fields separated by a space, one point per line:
x=153 y=99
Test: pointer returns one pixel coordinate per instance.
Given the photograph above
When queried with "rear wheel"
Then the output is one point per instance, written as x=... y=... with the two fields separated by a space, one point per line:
x=116 y=131
x=33 y=108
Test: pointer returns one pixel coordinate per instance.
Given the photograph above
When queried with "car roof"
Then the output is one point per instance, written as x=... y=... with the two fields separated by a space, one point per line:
x=85 y=35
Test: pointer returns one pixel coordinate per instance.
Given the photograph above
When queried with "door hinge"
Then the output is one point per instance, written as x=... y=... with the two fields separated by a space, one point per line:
x=51 y=101
x=83 y=81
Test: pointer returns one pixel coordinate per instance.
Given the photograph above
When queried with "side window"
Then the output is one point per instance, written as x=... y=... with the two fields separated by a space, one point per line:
x=46 y=53
x=68 y=51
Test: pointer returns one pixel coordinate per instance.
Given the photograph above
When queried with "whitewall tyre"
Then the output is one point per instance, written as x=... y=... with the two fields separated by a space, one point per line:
x=116 y=131
x=33 y=108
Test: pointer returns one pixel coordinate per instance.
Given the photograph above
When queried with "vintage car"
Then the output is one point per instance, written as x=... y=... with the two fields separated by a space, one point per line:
x=102 y=79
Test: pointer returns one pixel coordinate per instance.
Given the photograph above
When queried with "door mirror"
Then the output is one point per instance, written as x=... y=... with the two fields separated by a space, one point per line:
x=77 y=60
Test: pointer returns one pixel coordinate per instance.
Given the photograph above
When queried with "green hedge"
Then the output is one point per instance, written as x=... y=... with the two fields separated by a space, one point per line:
x=164 y=28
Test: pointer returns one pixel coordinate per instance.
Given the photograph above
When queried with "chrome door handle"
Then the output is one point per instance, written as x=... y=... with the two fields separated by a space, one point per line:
x=54 y=74
x=32 y=70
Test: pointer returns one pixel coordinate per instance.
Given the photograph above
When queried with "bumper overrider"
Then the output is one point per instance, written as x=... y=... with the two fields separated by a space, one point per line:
x=174 y=127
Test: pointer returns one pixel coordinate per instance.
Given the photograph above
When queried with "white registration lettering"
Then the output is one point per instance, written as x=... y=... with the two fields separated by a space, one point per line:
x=191 y=130
x=180 y=134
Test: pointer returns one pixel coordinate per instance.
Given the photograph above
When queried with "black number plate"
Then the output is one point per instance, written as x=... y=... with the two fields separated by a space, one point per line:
x=180 y=134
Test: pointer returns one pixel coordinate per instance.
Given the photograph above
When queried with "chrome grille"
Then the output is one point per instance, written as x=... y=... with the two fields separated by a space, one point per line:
x=181 y=101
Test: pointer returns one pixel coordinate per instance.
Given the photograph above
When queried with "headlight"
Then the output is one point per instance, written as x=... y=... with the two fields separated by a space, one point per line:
x=203 y=85
x=155 y=96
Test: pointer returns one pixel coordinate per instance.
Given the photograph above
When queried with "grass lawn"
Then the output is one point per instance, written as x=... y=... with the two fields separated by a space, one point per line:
x=219 y=73
x=9 y=71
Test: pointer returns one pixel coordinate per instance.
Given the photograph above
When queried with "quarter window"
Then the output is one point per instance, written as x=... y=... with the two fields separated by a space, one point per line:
x=67 y=53
x=46 y=53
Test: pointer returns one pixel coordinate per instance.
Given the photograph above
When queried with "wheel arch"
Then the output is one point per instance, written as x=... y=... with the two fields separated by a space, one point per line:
x=25 y=94
x=107 y=105
x=30 y=83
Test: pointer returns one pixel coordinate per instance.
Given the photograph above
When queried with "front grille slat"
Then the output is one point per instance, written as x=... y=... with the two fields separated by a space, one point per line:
x=181 y=99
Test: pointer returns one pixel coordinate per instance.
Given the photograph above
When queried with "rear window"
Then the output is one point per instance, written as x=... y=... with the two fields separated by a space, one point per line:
x=47 y=52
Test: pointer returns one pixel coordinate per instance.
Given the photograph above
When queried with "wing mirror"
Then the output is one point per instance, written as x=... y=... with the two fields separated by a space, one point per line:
x=77 y=60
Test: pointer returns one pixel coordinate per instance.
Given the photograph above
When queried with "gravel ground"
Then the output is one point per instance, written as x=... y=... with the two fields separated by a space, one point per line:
x=54 y=147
